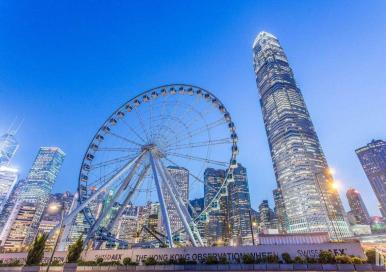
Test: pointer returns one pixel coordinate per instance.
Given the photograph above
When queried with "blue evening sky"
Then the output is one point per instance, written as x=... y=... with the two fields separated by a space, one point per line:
x=66 y=65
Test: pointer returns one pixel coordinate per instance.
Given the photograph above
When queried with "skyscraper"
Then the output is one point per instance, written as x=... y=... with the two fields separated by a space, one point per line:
x=280 y=210
x=358 y=207
x=216 y=229
x=180 y=176
x=301 y=170
x=8 y=180
x=40 y=180
x=239 y=208
x=373 y=160
x=8 y=147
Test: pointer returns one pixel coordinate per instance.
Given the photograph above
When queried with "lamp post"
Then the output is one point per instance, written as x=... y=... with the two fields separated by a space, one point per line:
x=54 y=208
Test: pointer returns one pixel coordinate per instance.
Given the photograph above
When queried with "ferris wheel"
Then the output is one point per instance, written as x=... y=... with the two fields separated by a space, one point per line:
x=153 y=151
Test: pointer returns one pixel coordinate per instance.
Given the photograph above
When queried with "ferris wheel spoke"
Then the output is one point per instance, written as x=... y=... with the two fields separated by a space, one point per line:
x=124 y=138
x=112 y=161
x=190 y=157
x=123 y=149
x=201 y=144
x=200 y=130
x=134 y=131
x=141 y=123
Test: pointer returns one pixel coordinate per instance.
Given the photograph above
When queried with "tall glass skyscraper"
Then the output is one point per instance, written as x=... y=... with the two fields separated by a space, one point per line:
x=39 y=183
x=8 y=148
x=373 y=160
x=358 y=207
x=311 y=203
x=239 y=208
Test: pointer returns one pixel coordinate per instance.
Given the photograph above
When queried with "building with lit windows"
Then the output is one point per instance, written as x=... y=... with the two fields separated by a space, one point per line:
x=216 y=228
x=239 y=208
x=39 y=183
x=358 y=207
x=311 y=202
x=8 y=180
x=180 y=176
x=373 y=160
x=8 y=148
x=280 y=210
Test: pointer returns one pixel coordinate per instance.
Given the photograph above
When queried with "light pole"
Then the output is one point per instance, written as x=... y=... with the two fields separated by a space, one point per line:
x=54 y=208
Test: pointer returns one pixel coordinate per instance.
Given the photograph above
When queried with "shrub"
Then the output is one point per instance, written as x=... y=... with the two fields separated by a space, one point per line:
x=248 y=259
x=311 y=260
x=223 y=260
x=75 y=250
x=272 y=259
x=299 y=260
x=211 y=260
x=150 y=261
x=370 y=254
x=286 y=258
x=181 y=260
x=326 y=257
x=56 y=263
x=343 y=259
x=99 y=261
x=36 y=252
x=127 y=261
x=86 y=263
x=357 y=260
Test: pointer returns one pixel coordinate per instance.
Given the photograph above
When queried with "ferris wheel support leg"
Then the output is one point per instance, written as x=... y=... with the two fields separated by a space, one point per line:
x=123 y=186
x=126 y=201
x=177 y=203
x=161 y=199
x=68 y=219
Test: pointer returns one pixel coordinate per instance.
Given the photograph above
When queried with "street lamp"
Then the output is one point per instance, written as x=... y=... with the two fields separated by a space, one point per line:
x=55 y=208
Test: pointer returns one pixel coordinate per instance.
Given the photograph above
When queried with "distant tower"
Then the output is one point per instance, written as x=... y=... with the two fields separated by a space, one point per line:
x=280 y=210
x=358 y=207
x=239 y=208
x=8 y=148
x=311 y=202
x=216 y=232
x=180 y=176
x=373 y=160
x=39 y=183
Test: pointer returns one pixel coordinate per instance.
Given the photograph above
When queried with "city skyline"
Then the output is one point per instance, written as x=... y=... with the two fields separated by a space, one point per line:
x=45 y=130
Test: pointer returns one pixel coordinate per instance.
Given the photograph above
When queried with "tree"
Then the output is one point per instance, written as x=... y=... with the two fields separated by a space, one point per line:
x=75 y=250
x=326 y=257
x=286 y=258
x=99 y=261
x=36 y=252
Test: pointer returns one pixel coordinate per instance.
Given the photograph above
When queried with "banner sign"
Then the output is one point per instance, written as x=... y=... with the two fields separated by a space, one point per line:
x=198 y=254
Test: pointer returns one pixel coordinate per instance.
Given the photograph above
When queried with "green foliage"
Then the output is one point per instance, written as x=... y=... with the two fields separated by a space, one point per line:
x=248 y=259
x=181 y=260
x=211 y=260
x=99 y=260
x=343 y=259
x=370 y=254
x=13 y=263
x=299 y=260
x=286 y=258
x=86 y=263
x=75 y=250
x=326 y=257
x=357 y=260
x=311 y=260
x=150 y=261
x=272 y=259
x=127 y=261
x=36 y=252
x=223 y=260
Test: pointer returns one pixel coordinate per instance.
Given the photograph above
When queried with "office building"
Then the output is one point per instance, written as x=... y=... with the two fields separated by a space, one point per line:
x=239 y=208
x=302 y=173
x=358 y=207
x=216 y=228
x=279 y=211
x=373 y=160
x=8 y=148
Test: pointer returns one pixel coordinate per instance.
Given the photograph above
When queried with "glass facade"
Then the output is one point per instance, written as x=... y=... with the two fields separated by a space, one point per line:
x=216 y=229
x=39 y=183
x=358 y=207
x=239 y=208
x=8 y=148
x=311 y=203
x=373 y=160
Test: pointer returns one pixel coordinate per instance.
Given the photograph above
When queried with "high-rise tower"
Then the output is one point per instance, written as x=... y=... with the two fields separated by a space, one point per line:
x=373 y=160
x=358 y=207
x=310 y=200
